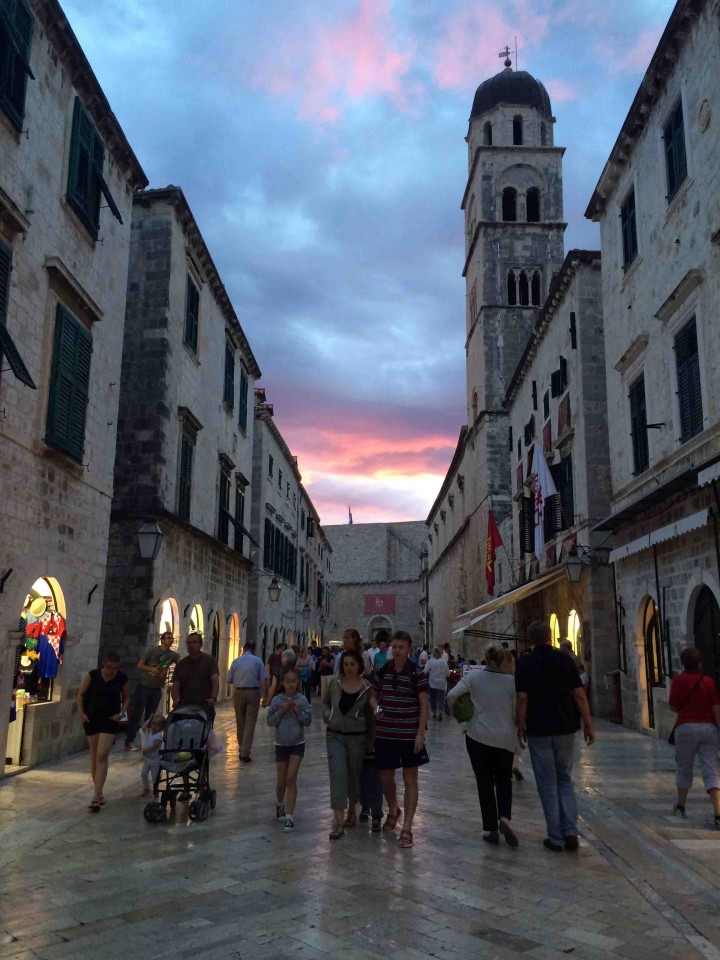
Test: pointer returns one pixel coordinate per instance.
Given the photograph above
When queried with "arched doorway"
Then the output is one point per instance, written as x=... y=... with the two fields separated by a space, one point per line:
x=234 y=648
x=574 y=631
x=554 y=630
x=706 y=631
x=197 y=620
x=652 y=656
x=216 y=636
x=380 y=628
x=170 y=620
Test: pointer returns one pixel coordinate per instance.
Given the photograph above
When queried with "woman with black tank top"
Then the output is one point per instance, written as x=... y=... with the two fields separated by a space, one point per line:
x=345 y=710
x=103 y=696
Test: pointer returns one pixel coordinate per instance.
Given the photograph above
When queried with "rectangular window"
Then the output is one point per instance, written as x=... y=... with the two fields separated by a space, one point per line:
x=86 y=184
x=573 y=330
x=302 y=519
x=628 y=226
x=280 y=479
x=271 y=463
x=534 y=395
x=564 y=483
x=688 y=381
x=519 y=448
x=224 y=511
x=675 y=157
x=267 y=544
x=638 y=426
x=187 y=452
x=229 y=385
x=69 y=385
x=239 y=517
x=527 y=525
x=546 y=405
x=510 y=439
x=243 y=405
x=311 y=526
x=16 y=33
x=192 y=315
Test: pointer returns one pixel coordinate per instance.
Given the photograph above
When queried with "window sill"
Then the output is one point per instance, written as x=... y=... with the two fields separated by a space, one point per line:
x=11 y=123
x=191 y=353
x=676 y=201
x=88 y=232
x=62 y=457
x=631 y=270
x=228 y=409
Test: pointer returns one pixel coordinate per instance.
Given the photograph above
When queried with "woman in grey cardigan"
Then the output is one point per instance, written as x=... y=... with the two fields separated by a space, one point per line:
x=491 y=741
x=345 y=710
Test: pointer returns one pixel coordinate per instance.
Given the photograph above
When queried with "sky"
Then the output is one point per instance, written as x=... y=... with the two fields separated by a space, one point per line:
x=320 y=145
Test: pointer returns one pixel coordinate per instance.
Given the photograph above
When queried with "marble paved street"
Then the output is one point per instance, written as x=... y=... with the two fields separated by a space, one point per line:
x=79 y=886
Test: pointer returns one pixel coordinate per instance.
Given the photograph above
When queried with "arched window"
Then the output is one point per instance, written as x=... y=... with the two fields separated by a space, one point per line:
x=653 y=647
x=524 y=290
x=532 y=204
x=535 y=289
x=517 y=131
x=475 y=406
x=471 y=218
x=197 y=620
x=554 y=630
x=574 y=630
x=706 y=631
x=512 y=289
x=543 y=135
x=487 y=134
x=509 y=204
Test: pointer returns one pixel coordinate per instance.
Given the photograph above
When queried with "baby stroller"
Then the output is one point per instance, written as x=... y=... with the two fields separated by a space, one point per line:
x=184 y=766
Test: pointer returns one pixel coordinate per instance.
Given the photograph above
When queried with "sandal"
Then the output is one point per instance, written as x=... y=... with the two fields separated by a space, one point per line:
x=405 y=839
x=337 y=831
x=350 y=820
x=94 y=806
x=391 y=821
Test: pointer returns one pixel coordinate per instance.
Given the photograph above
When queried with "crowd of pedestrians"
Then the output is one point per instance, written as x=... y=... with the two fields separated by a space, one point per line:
x=376 y=701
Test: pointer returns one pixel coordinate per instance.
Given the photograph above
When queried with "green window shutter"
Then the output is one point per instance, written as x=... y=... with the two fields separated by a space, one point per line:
x=70 y=385
x=267 y=552
x=185 y=486
x=243 y=405
x=85 y=169
x=240 y=517
x=5 y=272
x=688 y=381
x=16 y=32
x=229 y=386
x=192 y=315
x=638 y=426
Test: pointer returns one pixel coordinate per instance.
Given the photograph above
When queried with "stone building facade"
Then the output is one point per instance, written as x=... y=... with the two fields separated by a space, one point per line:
x=67 y=174
x=291 y=549
x=376 y=578
x=658 y=205
x=184 y=444
x=513 y=208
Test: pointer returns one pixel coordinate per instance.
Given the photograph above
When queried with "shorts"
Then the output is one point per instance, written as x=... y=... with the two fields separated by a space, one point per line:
x=393 y=754
x=283 y=754
x=98 y=725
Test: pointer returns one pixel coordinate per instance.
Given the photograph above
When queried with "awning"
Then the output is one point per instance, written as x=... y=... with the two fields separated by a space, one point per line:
x=693 y=522
x=709 y=474
x=466 y=620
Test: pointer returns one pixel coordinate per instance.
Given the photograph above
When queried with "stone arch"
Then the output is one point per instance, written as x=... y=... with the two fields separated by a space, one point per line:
x=487 y=134
x=574 y=631
x=377 y=624
x=702 y=603
x=197 y=620
x=532 y=205
x=517 y=130
x=647 y=657
x=509 y=205
x=169 y=619
x=555 y=630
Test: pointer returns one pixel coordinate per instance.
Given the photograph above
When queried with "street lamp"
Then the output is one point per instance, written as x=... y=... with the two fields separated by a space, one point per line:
x=574 y=566
x=149 y=538
x=274 y=590
x=306 y=612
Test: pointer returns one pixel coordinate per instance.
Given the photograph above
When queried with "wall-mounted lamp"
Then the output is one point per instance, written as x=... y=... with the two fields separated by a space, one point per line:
x=306 y=612
x=149 y=538
x=274 y=590
x=580 y=557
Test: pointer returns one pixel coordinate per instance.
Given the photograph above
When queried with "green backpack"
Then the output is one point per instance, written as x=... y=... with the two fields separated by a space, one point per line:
x=463 y=709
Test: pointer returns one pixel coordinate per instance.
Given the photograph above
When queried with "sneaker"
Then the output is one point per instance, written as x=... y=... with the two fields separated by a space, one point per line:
x=679 y=811
x=492 y=837
x=376 y=824
x=279 y=811
x=130 y=747
x=364 y=815
x=572 y=843
x=289 y=824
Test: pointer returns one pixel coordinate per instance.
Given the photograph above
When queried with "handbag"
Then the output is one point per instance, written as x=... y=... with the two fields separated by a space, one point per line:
x=686 y=701
x=463 y=709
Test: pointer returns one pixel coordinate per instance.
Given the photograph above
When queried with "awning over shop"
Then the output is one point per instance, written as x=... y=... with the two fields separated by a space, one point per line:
x=686 y=525
x=709 y=474
x=469 y=619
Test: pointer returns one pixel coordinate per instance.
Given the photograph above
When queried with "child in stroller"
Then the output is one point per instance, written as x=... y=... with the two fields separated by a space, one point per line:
x=184 y=769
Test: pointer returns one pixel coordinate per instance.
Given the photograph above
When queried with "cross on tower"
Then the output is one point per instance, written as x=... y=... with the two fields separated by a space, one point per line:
x=506 y=53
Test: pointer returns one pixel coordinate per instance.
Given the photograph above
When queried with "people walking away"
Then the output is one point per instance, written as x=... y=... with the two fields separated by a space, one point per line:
x=400 y=700
x=381 y=657
x=694 y=698
x=196 y=679
x=306 y=665
x=436 y=670
x=567 y=648
x=248 y=676
x=326 y=669
x=345 y=711
x=153 y=667
x=101 y=701
x=287 y=659
x=351 y=641
x=289 y=714
x=509 y=668
x=550 y=703
x=371 y=795
x=424 y=655
x=152 y=745
x=491 y=741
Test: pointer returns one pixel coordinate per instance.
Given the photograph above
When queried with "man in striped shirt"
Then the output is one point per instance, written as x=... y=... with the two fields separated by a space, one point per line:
x=400 y=699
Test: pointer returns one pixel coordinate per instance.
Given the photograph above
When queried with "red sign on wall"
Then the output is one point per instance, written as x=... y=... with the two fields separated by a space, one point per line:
x=379 y=603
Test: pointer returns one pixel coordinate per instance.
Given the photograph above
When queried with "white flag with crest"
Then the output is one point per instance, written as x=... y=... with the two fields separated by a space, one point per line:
x=544 y=488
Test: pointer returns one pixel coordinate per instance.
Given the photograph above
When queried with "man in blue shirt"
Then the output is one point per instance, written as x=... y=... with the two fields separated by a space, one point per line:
x=249 y=677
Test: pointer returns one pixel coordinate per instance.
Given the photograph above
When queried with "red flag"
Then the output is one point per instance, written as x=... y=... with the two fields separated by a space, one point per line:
x=494 y=540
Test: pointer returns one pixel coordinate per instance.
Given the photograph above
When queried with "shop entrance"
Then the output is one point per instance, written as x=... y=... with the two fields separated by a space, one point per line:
x=706 y=631
x=654 y=669
x=38 y=658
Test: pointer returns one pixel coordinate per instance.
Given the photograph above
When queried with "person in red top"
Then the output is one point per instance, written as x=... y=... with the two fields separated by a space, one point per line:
x=400 y=700
x=694 y=698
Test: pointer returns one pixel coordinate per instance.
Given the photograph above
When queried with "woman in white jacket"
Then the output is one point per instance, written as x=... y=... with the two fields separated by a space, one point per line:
x=491 y=741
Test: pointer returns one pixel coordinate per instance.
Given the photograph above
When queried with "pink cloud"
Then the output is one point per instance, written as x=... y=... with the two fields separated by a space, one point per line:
x=326 y=68
x=468 y=48
x=561 y=91
x=634 y=59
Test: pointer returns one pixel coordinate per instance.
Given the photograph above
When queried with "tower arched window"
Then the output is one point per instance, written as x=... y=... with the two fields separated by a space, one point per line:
x=543 y=134
x=523 y=290
x=487 y=134
x=536 y=289
x=532 y=205
x=511 y=289
x=509 y=204
x=517 y=131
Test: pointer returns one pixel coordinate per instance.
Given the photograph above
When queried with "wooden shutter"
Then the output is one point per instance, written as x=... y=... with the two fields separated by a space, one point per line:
x=638 y=426
x=547 y=436
x=239 y=517
x=192 y=315
x=185 y=484
x=563 y=373
x=243 y=405
x=546 y=404
x=16 y=33
x=675 y=158
x=86 y=149
x=229 y=386
x=267 y=544
x=573 y=332
x=527 y=525
x=5 y=272
x=70 y=385
x=688 y=380
x=555 y=383
x=565 y=490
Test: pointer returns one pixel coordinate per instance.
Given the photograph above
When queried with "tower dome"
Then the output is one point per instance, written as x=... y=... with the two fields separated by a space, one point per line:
x=513 y=87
